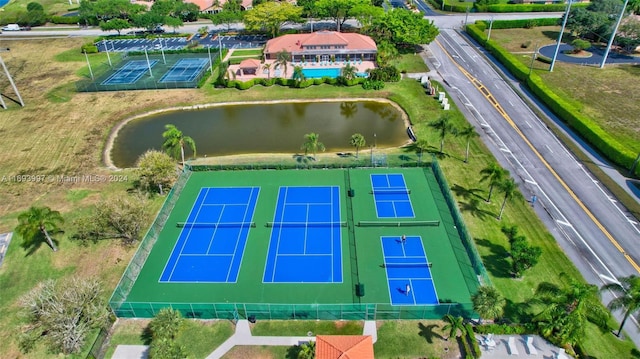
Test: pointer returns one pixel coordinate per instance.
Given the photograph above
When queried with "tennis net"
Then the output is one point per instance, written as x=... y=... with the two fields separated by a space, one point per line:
x=407 y=265
x=215 y=225
x=304 y=224
x=435 y=223
x=391 y=191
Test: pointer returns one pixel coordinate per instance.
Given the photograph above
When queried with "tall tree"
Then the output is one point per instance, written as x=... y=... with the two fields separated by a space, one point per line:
x=366 y=14
x=298 y=74
x=35 y=224
x=271 y=15
x=307 y=350
x=444 y=127
x=282 y=59
x=267 y=66
x=226 y=18
x=348 y=72
x=357 y=140
x=488 y=303
x=115 y=24
x=338 y=10
x=494 y=174
x=627 y=297
x=509 y=188
x=468 y=132
x=403 y=28
x=454 y=326
x=175 y=140
x=312 y=144
x=566 y=309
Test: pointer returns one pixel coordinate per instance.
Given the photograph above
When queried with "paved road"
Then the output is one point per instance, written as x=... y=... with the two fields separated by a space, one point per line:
x=542 y=166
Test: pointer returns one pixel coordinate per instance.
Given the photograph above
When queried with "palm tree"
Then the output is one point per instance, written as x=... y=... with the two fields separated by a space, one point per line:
x=488 y=303
x=510 y=190
x=174 y=142
x=349 y=72
x=267 y=66
x=35 y=224
x=282 y=58
x=307 y=350
x=494 y=174
x=453 y=326
x=468 y=132
x=312 y=144
x=357 y=140
x=298 y=74
x=166 y=324
x=444 y=127
x=566 y=310
x=627 y=293
x=420 y=146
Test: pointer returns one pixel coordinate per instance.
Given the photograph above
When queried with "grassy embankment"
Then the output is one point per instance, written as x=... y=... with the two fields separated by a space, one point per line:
x=65 y=137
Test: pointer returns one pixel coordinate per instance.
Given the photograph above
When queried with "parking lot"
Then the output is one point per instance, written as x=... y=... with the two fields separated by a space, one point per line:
x=177 y=43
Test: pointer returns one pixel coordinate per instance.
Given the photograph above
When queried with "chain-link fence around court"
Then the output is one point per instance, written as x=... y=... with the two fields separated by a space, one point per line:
x=150 y=71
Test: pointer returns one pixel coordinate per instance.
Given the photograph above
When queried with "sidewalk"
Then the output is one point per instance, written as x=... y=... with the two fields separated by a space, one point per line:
x=243 y=336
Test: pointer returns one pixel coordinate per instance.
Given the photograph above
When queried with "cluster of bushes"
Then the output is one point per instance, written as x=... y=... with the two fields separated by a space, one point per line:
x=499 y=8
x=505 y=329
x=563 y=108
x=245 y=85
x=385 y=74
x=518 y=24
x=65 y=20
x=470 y=343
x=141 y=36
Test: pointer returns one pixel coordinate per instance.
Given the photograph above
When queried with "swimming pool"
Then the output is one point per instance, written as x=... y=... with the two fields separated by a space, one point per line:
x=320 y=73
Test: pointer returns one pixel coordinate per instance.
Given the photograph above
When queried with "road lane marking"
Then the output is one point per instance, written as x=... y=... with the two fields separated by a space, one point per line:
x=487 y=94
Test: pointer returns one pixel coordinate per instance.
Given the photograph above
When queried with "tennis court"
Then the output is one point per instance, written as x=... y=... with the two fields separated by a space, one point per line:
x=301 y=244
x=391 y=196
x=305 y=237
x=130 y=73
x=213 y=237
x=408 y=271
x=185 y=70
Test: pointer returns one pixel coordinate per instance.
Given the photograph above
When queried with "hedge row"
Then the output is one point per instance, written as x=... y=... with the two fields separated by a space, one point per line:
x=522 y=23
x=564 y=109
x=504 y=329
x=67 y=20
x=245 y=85
x=501 y=8
x=477 y=353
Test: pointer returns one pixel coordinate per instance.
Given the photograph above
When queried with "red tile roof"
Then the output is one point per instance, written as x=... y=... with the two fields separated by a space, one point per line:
x=296 y=42
x=250 y=64
x=344 y=347
x=202 y=4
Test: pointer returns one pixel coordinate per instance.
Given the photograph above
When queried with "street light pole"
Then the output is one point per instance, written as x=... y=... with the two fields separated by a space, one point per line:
x=148 y=63
x=89 y=64
x=613 y=35
x=104 y=43
x=490 y=26
x=564 y=24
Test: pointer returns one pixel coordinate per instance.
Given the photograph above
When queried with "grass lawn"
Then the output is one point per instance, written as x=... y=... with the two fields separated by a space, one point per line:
x=259 y=352
x=65 y=135
x=410 y=63
x=247 y=53
x=413 y=339
x=300 y=328
x=596 y=92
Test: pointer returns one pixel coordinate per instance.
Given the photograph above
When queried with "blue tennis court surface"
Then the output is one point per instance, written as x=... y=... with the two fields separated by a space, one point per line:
x=305 y=244
x=391 y=195
x=185 y=70
x=408 y=271
x=213 y=238
x=131 y=72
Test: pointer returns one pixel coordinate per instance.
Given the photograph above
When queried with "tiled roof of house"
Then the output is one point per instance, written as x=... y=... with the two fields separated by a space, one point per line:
x=295 y=42
x=249 y=64
x=202 y=4
x=344 y=347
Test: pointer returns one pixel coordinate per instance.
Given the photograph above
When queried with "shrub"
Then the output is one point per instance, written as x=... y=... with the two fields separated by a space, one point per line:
x=505 y=329
x=372 y=85
x=473 y=341
x=318 y=81
x=525 y=44
x=580 y=45
x=67 y=20
x=89 y=48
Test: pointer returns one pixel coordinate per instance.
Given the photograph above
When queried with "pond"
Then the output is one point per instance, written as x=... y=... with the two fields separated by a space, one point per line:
x=264 y=128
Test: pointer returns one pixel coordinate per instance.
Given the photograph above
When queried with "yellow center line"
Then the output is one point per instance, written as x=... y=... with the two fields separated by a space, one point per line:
x=487 y=94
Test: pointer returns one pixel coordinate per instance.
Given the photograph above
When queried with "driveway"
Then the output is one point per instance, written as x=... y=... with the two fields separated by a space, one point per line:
x=594 y=59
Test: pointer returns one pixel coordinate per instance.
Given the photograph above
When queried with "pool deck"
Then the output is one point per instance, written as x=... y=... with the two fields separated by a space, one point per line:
x=361 y=66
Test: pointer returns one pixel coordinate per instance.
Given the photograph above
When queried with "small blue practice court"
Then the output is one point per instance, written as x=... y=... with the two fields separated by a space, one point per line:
x=391 y=196
x=408 y=271
x=305 y=244
x=185 y=70
x=213 y=238
x=131 y=72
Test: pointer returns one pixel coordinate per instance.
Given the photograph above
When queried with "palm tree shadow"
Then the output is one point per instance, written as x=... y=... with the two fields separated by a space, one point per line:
x=496 y=261
x=32 y=246
x=473 y=207
x=467 y=193
x=428 y=332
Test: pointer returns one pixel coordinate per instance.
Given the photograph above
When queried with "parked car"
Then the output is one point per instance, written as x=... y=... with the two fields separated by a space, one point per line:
x=11 y=27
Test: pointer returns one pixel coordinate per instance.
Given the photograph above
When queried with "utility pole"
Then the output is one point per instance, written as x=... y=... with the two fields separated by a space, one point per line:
x=533 y=58
x=13 y=84
x=88 y=64
x=613 y=35
x=564 y=24
x=490 y=26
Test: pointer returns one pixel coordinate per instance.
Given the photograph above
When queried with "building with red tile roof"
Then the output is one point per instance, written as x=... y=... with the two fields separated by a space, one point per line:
x=323 y=46
x=212 y=6
x=344 y=347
